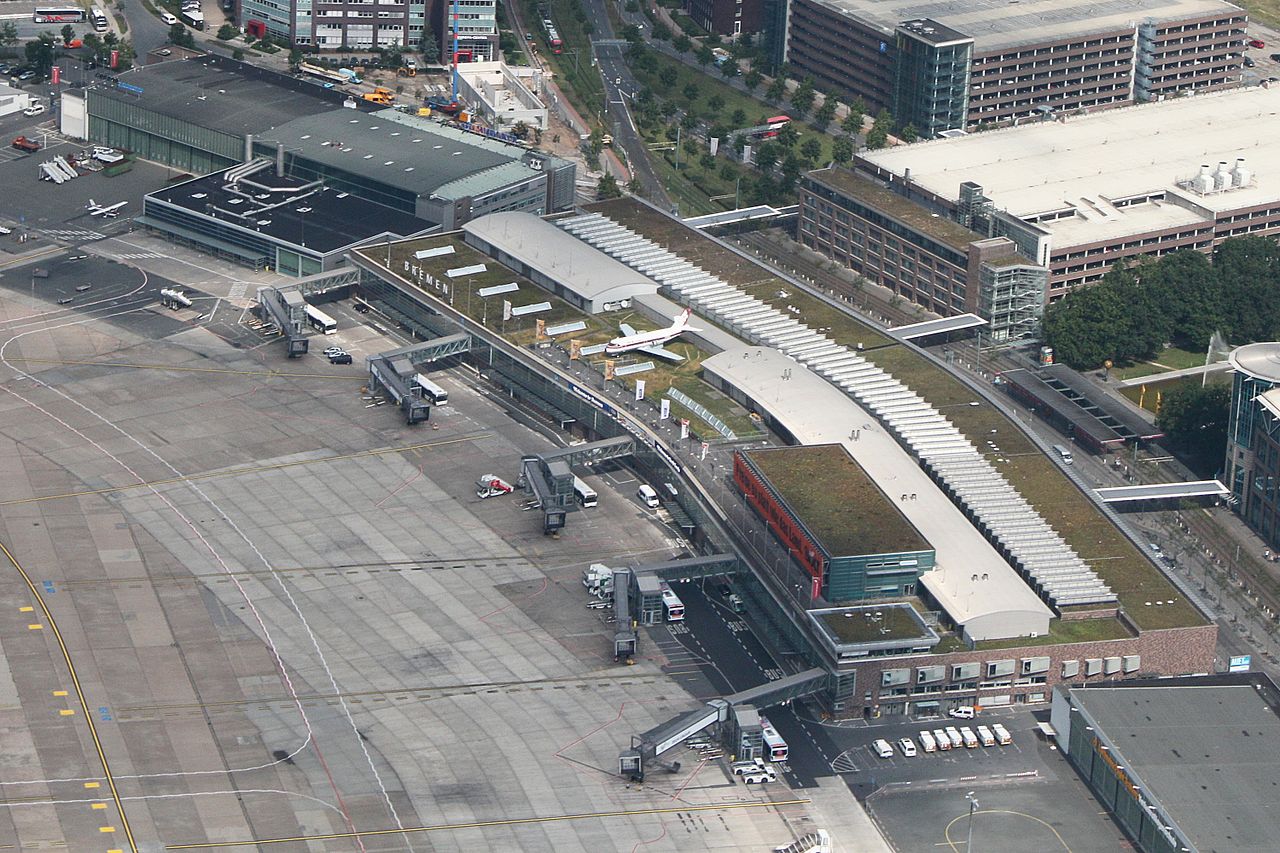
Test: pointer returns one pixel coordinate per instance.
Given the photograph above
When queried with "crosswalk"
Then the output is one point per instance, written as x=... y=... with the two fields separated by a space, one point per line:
x=238 y=290
x=73 y=235
x=135 y=256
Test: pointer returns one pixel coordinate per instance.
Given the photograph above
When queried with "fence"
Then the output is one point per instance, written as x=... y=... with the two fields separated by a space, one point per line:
x=701 y=411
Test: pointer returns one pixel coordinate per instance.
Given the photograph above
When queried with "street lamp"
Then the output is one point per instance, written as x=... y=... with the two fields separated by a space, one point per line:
x=973 y=807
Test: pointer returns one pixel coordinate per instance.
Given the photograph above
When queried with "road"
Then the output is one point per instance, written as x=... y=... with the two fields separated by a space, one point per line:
x=619 y=85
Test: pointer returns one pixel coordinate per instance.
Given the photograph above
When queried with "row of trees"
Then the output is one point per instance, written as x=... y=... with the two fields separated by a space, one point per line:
x=1181 y=298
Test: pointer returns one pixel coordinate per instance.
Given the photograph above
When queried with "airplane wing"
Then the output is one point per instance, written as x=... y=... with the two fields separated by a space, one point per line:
x=627 y=329
x=661 y=352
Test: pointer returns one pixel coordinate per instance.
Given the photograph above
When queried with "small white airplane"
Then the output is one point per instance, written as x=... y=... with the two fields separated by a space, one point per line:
x=110 y=211
x=651 y=342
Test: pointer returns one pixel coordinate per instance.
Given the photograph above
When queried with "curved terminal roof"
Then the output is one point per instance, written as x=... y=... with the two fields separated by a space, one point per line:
x=1261 y=361
x=975 y=585
x=561 y=257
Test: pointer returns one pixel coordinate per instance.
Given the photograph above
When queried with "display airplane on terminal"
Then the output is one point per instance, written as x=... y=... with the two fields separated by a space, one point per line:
x=109 y=211
x=651 y=342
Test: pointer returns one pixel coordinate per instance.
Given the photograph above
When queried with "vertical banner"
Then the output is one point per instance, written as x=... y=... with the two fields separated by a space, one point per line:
x=684 y=427
x=539 y=329
x=575 y=349
x=639 y=390
x=506 y=309
x=705 y=448
x=608 y=369
x=664 y=409
x=56 y=75
x=817 y=589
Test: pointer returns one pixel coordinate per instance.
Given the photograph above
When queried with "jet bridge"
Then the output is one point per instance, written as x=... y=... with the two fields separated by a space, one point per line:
x=548 y=477
x=285 y=308
x=391 y=377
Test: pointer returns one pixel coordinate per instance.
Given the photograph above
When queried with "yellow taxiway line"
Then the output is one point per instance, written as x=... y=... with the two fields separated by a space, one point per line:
x=84 y=703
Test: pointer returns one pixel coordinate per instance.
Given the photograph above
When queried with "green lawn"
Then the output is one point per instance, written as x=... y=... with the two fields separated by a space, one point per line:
x=852 y=625
x=1263 y=11
x=574 y=72
x=1149 y=395
x=1168 y=359
x=1066 y=631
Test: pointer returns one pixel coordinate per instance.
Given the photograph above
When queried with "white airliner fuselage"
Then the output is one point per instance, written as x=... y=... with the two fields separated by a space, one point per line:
x=656 y=338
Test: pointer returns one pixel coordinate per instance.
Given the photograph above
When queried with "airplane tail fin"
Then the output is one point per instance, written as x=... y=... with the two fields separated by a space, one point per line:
x=682 y=321
x=91 y=204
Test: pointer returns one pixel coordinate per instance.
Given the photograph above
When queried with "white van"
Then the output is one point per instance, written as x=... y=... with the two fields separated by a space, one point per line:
x=1063 y=454
x=944 y=742
x=963 y=712
x=1002 y=734
x=969 y=738
x=953 y=734
x=986 y=737
x=647 y=496
x=882 y=748
x=168 y=18
x=927 y=743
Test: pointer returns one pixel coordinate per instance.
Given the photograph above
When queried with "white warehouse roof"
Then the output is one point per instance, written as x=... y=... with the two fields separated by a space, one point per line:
x=1103 y=169
x=998 y=604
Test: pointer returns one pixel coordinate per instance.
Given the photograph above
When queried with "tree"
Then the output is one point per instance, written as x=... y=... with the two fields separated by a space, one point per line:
x=681 y=43
x=520 y=130
x=729 y=69
x=811 y=149
x=909 y=133
x=68 y=33
x=1195 y=421
x=295 y=57
x=608 y=187
x=1249 y=270
x=739 y=118
x=853 y=121
x=728 y=173
x=181 y=36
x=715 y=104
x=767 y=155
x=776 y=89
x=227 y=32
x=668 y=76
x=8 y=34
x=802 y=98
x=1087 y=326
x=826 y=114
x=877 y=137
x=690 y=92
x=752 y=80
x=632 y=34
x=39 y=53
x=705 y=56
x=788 y=135
x=707 y=161
x=430 y=45
x=842 y=150
x=662 y=32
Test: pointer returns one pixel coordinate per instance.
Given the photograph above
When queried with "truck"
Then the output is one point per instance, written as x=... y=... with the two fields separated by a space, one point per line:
x=598 y=579
x=380 y=95
x=323 y=73
x=408 y=67
x=492 y=486
x=449 y=108
x=24 y=144
x=193 y=18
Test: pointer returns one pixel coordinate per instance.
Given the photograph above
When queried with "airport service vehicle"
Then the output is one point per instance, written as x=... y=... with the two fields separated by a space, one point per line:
x=24 y=144
x=672 y=605
x=1002 y=734
x=970 y=739
x=759 y=777
x=598 y=579
x=908 y=748
x=651 y=342
x=433 y=392
x=944 y=742
x=100 y=24
x=774 y=746
x=985 y=736
x=491 y=486
x=953 y=735
x=320 y=321
x=741 y=767
x=585 y=495
x=882 y=748
x=927 y=743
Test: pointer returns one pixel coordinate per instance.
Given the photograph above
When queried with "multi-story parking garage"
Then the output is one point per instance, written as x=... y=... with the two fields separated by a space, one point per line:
x=947 y=66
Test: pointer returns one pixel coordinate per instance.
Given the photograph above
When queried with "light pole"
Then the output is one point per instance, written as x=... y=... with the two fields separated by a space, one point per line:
x=973 y=807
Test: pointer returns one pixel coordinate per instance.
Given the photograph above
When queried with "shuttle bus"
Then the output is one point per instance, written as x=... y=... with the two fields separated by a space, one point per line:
x=99 y=17
x=431 y=390
x=672 y=604
x=772 y=126
x=585 y=494
x=58 y=15
x=775 y=748
x=321 y=321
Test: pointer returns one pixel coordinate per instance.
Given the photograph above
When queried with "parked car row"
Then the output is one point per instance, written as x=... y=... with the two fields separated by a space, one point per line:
x=943 y=739
x=337 y=355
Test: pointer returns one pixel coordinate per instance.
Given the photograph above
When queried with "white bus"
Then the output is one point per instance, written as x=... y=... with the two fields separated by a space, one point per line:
x=431 y=390
x=586 y=495
x=321 y=321
x=672 y=604
x=775 y=748
x=99 y=19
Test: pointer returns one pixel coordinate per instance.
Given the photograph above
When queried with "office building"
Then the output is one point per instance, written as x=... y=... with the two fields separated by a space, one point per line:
x=354 y=25
x=1252 y=462
x=977 y=64
x=727 y=17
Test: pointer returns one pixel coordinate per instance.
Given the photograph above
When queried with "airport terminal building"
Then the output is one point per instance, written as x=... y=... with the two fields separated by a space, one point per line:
x=380 y=172
x=1071 y=197
x=944 y=66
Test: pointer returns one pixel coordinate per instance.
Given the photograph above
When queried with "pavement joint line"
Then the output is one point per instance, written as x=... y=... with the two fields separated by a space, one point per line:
x=184 y=369
x=480 y=824
x=249 y=469
x=84 y=702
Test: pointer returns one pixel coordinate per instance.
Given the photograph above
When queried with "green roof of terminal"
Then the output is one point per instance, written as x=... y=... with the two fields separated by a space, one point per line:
x=830 y=493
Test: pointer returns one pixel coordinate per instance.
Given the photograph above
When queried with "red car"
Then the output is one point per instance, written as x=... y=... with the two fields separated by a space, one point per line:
x=1258 y=43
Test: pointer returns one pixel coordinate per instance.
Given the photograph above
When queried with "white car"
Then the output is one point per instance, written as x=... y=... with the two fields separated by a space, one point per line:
x=908 y=748
x=34 y=110
x=882 y=748
x=334 y=350
x=963 y=712
x=742 y=767
x=759 y=777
